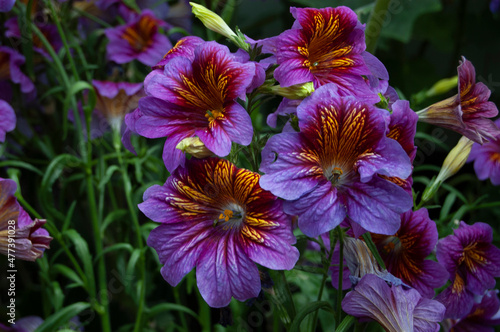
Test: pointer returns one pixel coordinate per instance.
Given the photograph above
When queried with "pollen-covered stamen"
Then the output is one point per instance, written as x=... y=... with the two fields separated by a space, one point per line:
x=334 y=175
x=140 y=35
x=214 y=115
x=231 y=217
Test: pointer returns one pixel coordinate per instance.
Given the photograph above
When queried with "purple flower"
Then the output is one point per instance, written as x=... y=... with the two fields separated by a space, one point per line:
x=482 y=317
x=467 y=112
x=10 y=70
x=31 y=239
x=329 y=170
x=395 y=308
x=196 y=97
x=139 y=39
x=8 y=116
x=473 y=264
x=48 y=30
x=183 y=48
x=6 y=5
x=404 y=253
x=217 y=218
x=324 y=46
x=494 y=6
x=486 y=159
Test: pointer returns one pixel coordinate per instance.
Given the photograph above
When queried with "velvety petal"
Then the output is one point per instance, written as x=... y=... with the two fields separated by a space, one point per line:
x=224 y=270
x=391 y=307
x=334 y=270
x=377 y=205
x=483 y=316
x=319 y=211
x=173 y=157
x=184 y=48
x=457 y=300
x=237 y=124
x=8 y=117
x=291 y=169
x=152 y=55
x=6 y=5
x=376 y=67
x=427 y=315
x=403 y=126
x=167 y=239
x=291 y=72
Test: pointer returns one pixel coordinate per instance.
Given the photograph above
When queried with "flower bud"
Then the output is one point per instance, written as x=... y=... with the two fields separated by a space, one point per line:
x=297 y=91
x=195 y=147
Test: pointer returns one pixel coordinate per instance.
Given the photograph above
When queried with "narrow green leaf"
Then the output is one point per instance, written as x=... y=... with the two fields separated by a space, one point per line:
x=20 y=164
x=114 y=247
x=111 y=217
x=346 y=324
x=60 y=317
x=68 y=273
x=306 y=310
x=166 y=307
x=82 y=251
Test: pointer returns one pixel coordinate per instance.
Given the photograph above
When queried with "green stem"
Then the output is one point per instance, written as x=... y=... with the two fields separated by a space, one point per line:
x=323 y=281
x=181 y=314
x=374 y=25
x=137 y=228
x=373 y=248
x=341 y=272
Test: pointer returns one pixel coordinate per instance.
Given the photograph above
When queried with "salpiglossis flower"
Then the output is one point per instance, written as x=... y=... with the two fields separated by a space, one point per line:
x=197 y=97
x=217 y=218
x=8 y=116
x=324 y=46
x=486 y=159
x=395 y=308
x=473 y=263
x=330 y=169
x=140 y=39
x=469 y=111
x=404 y=253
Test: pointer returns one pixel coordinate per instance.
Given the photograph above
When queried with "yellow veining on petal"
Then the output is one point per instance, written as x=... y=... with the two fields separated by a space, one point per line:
x=252 y=234
x=139 y=36
x=495 y=157
x=458 y=285
x=473 y=256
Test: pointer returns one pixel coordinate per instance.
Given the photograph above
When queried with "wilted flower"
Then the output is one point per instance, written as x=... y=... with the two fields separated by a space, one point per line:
x=404 y=253
x=196 y=97
x=330 y=169
x=467 y=112
x=140 y=39
x=30 y=239
x=395 y=308
x=8 y=117
x=217 y=218
x=10 y=70
x=486 y=159
x=473 y=263
x=48 y=30
x=324 y=46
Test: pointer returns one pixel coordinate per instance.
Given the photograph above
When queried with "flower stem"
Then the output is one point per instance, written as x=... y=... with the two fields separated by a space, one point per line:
x=341 y=272
x=375 y=23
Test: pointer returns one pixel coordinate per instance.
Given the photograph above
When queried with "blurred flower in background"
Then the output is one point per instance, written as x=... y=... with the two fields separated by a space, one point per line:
x=486 y=159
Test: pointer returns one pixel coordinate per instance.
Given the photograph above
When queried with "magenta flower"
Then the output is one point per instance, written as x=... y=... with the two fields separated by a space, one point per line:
x=116 y=99
x=8 y=116
x=184 y=47
x=404 y=253
x=324 y=46
x=486 y=159
x=139 y=39
x=48 y=30
x=217 y=218
x=31 y=239
x=10 y=71
x=482 y=317
x=331 y=168
x=473 y=264
x=196 y=97
x=467 y=112
x=395 y=308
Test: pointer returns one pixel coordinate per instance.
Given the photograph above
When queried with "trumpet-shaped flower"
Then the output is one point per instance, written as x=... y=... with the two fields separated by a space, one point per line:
x=469 y=111
x=404 y=253
x=140 y=39
x=395 y=308
x=330 y=169
x=482 y=317
x=324 y=46
x=473 y=264
x=197 y=97
x=30 y=239
x=217 y=218
x=486 y=159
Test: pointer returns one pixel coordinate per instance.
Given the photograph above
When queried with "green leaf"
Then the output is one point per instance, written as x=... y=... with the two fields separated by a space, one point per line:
x=20 y=164
x=60 y=317
x=109 y=173
x=310 y=308
x=68 y=273
x=69 y=216
x=282 y=297
x=82 y=250
x=402 y=15
x=111 y=217
x=448 y=203
x=346 y=324
x=114 y=247
x=159 y=308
